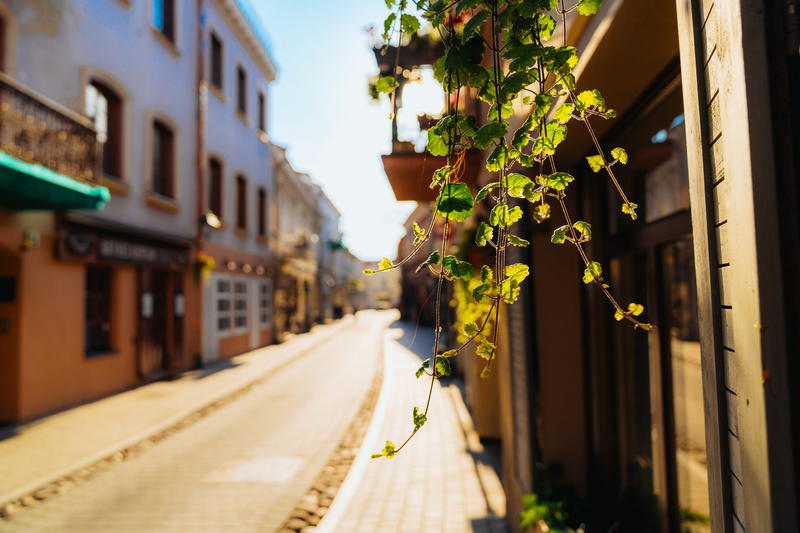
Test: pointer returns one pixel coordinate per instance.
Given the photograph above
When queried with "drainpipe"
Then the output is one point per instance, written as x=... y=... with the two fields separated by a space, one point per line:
x=201 y=98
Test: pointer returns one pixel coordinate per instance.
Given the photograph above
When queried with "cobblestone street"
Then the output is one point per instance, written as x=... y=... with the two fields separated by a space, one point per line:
x=248 y=464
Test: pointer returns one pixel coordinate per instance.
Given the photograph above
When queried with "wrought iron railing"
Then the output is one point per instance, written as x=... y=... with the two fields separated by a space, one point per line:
x=38 y=130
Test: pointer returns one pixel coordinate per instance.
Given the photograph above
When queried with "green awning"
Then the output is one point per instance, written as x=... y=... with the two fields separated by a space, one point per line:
x=25 y=186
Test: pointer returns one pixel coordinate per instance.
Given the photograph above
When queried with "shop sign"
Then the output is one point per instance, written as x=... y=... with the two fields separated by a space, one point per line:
x=112 y=248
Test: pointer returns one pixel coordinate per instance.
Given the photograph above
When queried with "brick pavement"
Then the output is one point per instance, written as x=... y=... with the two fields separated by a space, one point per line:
x=35 y=453
x=441 y=483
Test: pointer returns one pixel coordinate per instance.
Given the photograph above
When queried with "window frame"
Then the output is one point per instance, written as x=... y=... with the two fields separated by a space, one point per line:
x=241 y=202
x=261 y=213
x=241 y=90
x=264 y=303
x=262 y=112
x=220 y=196
x=223 y=314
x=115 y=136
x=162 y=145
x=216 y=65
x=240 y=303
x=168 y=30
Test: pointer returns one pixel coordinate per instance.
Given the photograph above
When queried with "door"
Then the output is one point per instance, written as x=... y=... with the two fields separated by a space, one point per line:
x=9 y=343
x=155 y=317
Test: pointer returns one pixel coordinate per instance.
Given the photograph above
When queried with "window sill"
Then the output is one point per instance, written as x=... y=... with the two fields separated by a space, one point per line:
x=125 y=3
x=161 y=202
x=263 y=137
x=164 y=40
x=240 y=232
x=262 y=239
x=243 y=117
x=100 y=353
x=219 y=92
x=115 y=185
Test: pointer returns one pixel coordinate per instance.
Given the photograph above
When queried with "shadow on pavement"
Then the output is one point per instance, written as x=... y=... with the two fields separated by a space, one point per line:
x=213 y=369
x=418 y=340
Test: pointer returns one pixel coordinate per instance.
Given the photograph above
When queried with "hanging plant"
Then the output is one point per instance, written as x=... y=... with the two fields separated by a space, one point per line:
x=527 y=62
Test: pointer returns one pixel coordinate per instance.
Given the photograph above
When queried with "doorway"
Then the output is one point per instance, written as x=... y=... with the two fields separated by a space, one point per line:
x=161 y=303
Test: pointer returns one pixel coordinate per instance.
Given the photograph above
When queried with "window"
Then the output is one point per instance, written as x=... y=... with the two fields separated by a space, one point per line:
x=215 y=187
x=262 y=212
x=262 y=111
x=264 y=302
x=241 y=89
x=241 y=202
x=216 y=61
x=163 y=160
x=224 y=309
x=104 y=107
x=240 y=304
x=164 y=18
x=98 y=310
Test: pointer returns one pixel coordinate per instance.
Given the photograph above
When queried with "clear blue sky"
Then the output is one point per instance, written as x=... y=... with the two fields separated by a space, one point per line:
x=320 y=110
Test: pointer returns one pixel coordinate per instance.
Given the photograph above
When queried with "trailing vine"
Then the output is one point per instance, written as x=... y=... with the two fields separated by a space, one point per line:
x=503 y=51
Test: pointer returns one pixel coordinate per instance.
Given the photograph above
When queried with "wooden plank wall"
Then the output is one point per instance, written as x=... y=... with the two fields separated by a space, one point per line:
x=723 y=265
x=741 y=316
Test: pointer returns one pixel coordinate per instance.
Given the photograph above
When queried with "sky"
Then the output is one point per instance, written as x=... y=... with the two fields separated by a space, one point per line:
x=321 y=111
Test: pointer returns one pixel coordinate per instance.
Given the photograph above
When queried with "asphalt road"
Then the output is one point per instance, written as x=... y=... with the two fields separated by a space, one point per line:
x=242 y=468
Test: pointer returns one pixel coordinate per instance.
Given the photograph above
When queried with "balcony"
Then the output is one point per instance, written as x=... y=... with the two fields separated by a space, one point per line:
x=49 y=155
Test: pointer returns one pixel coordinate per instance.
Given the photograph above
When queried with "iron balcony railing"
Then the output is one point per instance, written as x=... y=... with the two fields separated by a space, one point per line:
x=37 y=130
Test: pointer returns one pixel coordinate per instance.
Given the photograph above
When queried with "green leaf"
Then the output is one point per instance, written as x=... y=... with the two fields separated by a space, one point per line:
x=432 y=259
x=385 y=264
x=488 y=133
x=387 y=25
x=455 y=200
x=484 y=234
x=456 y=268
x=619 y=314
x=487 y=274
x=559 y=235
x=460 y=55
x=368 y=271
x=498 y=159
x=516 y=183
x=585 y=229
x=564 y=113
x=480 y=291
x=630 y=209
x=504 y=217
x=513 y=240
x=635 y=309
x=593 y=272
x=385 y=84
x=551 y=136
x=419 y=418
x=440 y=176
x=486 y=372
x=485 y=349
x=436 y=145
x=473 y=25
x=595 y=162
x=517 y=271
x=421 y=370
x=443 y=366
x=589 y=7
x=389 y=449
x=522 y=135
x=619 y=154
x=485 y=191
x=409 y=23
x=559 y=180
x=532 y=193
x=419 y=234
x=541 y=213
x=591 y=99
x=471 y=329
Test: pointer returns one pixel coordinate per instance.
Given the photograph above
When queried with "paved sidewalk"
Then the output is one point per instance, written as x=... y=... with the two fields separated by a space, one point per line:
x=37 y=453
x=441 y=482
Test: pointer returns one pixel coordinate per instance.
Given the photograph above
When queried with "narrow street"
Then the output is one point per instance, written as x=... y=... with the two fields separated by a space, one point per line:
x=242 y=468
x=245 y=466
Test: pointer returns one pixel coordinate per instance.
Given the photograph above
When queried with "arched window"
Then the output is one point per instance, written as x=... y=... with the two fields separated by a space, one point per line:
x=104 y=106
x=163 y=160
x=241 y=202
x=215 y=187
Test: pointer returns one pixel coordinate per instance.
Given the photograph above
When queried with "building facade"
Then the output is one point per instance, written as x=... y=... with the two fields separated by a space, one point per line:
x=237 y=221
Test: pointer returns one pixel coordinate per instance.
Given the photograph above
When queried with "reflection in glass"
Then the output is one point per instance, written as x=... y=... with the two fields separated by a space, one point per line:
x=687 y=386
